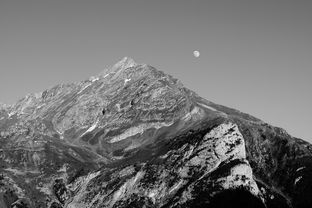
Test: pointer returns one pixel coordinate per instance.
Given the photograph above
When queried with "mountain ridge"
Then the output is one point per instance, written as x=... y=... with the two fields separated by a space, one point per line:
x=134 y=136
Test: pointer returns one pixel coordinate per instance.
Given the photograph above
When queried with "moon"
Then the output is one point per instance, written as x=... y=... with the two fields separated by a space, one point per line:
x=196 y=54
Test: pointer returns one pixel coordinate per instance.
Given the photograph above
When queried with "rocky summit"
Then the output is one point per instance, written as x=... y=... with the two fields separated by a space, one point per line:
x=135 y=137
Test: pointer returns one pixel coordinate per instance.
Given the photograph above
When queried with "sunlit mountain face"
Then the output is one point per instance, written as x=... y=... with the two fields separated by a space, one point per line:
x=134 y=136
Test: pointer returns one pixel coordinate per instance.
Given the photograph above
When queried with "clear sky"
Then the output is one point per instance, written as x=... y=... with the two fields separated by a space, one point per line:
x=256 y=56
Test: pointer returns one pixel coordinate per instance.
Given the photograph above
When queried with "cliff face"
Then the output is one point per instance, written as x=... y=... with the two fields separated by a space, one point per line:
x=135 y=137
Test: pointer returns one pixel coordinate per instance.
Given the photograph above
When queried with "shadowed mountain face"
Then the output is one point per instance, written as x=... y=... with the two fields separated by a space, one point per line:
x=135 y=137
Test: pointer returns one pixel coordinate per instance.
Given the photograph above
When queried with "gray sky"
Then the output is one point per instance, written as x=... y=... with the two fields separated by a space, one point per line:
x=256 y=56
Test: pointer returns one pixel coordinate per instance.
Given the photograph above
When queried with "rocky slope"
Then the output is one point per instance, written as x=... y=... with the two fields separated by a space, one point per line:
x=135 y=137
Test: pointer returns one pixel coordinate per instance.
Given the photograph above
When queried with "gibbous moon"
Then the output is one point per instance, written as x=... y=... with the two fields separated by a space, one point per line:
x=196 y=54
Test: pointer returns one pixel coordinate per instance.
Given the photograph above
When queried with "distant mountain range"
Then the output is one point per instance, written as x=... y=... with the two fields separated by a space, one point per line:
x=134 y=136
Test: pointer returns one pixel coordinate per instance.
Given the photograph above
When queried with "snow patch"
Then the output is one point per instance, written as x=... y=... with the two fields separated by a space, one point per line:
x=300 y=168
x=127 y=80
x=206 y=106
x=298 y=179
x=60 y=133
x=93 y=79
x=118 y=157
x=11 y=114
x=91 y=128
x=138 y=130
x=84 y=88
x=212 y=109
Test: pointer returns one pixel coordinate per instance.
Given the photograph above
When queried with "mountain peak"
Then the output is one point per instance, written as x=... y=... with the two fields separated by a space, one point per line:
x=124 y=63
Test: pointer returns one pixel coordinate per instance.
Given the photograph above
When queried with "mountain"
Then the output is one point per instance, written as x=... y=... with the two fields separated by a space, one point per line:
x=134 y=136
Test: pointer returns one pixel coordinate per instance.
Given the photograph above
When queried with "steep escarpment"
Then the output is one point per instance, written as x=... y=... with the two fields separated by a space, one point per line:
x=133 y=136
x=189 y=174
